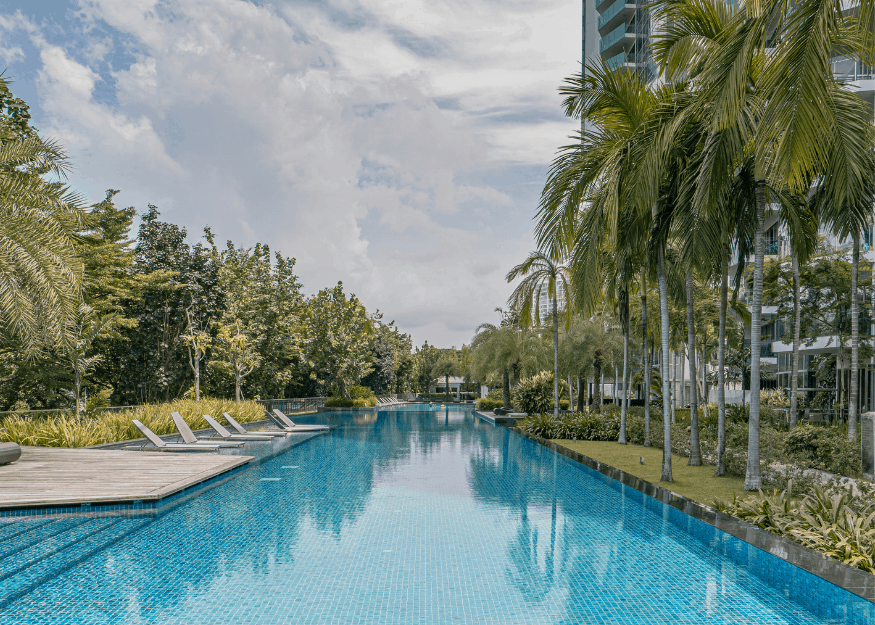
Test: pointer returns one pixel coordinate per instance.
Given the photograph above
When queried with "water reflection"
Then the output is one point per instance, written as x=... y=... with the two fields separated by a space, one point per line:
x=431 y=516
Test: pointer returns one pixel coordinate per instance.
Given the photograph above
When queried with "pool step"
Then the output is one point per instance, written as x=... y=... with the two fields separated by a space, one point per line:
x=10 y=529
x=36 y=565
x=11 y=546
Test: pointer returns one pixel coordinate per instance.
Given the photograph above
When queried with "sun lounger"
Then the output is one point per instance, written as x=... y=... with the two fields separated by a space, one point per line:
x=233 y=423
x=225 y=434
x=189 y=437
x=288 y=425
x=160 y=445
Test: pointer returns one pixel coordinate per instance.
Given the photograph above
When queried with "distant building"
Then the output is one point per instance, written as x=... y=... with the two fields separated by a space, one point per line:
x=545 y=303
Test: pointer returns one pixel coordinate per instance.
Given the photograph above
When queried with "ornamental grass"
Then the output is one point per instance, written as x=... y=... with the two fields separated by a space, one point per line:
x=108 y=427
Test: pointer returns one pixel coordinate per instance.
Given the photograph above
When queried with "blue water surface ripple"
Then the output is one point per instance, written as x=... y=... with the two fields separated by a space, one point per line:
x=405 y=517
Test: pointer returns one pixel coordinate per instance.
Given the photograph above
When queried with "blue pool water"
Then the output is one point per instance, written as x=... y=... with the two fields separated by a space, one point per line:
x=432 y=517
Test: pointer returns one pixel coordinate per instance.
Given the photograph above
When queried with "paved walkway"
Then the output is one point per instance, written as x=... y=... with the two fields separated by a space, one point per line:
x=52 y=476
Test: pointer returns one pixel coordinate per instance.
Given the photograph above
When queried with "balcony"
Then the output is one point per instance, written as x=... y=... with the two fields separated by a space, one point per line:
x=600 y=3
x=849 y=69
x=618 y=61
x=618 y=12
x=617 y=40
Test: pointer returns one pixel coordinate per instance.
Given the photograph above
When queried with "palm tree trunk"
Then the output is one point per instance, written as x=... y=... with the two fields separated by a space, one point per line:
x=695 y=451
x=853 y=383
x=674 y=387
x=505 y=389
x=721 y=366
x=753 y=479
x=555 y=360
x=570 y=394
x=664 y=330
x=797 y=321
x=596 y=375
x=447 y=386
x=625 y=400
x=580 y=398
x=646 y=358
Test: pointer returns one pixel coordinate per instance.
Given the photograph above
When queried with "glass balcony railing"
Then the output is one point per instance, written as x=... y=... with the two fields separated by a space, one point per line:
x=847 y=69
x=600 y=3
x=612 y=11
x=616 y=61
x=612 y=37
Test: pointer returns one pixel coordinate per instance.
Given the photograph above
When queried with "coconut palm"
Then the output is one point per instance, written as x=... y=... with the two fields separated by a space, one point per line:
x=544 y=273
x=506 y=349
x=446 y=367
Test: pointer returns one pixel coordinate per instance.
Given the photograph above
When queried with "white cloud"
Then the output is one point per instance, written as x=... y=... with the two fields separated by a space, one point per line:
x=359 y=137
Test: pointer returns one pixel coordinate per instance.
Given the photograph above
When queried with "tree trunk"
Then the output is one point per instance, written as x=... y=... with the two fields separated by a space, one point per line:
x=625 y=399
x=797 y=322
x=601 y=383
x=853 y=383
x=682 y=355
x=674 y=387
x=447 y=386
x=78 y=384
x=721 y=369
x=753 y=479
x=505 y=389
x=555 y=360
x=664 y=330
x=570 y=394
x=695 y=451
x=237 y=385
x=197 y=379
x=646 y=359
x=581 y=400
x=596 y=375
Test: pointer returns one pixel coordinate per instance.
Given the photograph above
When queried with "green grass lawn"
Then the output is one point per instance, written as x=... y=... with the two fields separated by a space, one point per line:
x=696 y=483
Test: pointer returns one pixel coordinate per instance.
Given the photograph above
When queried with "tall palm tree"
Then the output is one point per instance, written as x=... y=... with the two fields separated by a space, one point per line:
x=544 y=273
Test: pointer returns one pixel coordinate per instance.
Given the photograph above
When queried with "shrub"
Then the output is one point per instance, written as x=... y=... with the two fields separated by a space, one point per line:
x=825 y=521
x=823 y=448
x=360 y=392
x=490 y=404
x=348 y=402
x=109 y=427
x=534 y=395
x=538 y=425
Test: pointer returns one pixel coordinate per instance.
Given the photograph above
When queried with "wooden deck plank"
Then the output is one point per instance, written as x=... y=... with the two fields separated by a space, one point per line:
x=55 y=476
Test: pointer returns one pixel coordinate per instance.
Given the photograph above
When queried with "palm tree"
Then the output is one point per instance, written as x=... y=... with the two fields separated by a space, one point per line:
x=446 y=367
x=505 y=348
x=40 y=274
x=543 y=273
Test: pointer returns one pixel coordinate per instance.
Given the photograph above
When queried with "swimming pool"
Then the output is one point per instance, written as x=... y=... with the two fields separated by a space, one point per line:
x=413 y=516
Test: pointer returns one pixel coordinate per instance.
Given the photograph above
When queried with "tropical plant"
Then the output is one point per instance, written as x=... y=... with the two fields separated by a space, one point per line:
x=444 y=368
x=544 y=273
x=535 y=395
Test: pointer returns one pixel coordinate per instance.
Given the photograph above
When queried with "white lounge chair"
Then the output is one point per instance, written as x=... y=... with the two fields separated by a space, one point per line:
x=287 y=425
x=233 y=423
x=160 y=445
x=226 y=435
x=189 y=437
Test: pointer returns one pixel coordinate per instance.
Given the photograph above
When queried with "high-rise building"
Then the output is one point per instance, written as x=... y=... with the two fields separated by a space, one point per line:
x=545 y=303
x=618 y=31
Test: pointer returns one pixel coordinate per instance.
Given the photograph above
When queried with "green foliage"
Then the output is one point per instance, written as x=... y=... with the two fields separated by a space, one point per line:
x=534 y=395
x=338 y=343
x=347 y=402
x=824 y=448
x=108 y=427
x=541 y=425
x=490 y=404
x=823 y=521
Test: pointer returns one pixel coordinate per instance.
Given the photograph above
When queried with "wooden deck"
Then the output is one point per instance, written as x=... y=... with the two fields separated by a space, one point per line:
x=51 y=476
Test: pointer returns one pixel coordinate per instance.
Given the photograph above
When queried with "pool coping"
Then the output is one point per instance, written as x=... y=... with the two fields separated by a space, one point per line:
x=843 y=575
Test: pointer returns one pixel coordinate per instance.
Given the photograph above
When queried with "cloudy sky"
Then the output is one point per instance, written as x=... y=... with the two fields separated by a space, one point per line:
x=397 y=145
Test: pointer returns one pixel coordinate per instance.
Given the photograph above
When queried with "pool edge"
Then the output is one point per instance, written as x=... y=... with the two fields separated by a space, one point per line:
x=844 y=576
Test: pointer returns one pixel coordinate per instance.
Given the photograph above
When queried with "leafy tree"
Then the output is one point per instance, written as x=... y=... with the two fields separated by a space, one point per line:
x=425 y=359
x=234 y=353
x=338 y=342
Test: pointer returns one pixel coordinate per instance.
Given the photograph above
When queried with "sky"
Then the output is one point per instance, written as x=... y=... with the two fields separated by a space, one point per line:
x=398 y=146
